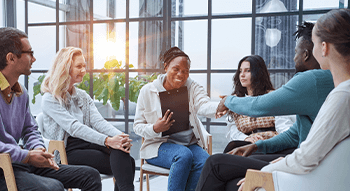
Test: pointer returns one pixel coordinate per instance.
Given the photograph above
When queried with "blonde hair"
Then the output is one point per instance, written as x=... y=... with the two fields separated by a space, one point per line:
x=58 y=79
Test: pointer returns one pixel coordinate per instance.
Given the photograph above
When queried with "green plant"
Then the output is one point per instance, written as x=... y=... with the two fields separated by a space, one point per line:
x=109 y=85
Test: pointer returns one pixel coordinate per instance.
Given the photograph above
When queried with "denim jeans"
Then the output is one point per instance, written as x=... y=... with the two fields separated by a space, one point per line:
x=185 y=163
x=30 y=178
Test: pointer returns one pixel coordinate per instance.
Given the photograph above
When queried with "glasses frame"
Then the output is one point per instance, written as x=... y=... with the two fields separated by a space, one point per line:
x=31 y=52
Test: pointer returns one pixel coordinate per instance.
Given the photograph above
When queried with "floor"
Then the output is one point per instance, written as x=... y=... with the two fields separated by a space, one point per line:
x=157 y=183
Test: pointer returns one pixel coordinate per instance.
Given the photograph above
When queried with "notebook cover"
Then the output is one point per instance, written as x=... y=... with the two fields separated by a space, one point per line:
x=177 y=101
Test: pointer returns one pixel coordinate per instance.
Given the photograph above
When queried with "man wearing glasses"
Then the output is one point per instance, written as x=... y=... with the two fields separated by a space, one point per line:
x=34 y=168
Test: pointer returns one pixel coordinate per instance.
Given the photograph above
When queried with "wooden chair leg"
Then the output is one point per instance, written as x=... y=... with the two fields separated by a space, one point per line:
x=6 y=165
x=257 y=179
x=141 y=179
x=147 y=180
x=210 y=145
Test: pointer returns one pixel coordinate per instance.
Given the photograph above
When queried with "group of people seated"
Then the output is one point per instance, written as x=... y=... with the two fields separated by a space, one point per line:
x=290 y=129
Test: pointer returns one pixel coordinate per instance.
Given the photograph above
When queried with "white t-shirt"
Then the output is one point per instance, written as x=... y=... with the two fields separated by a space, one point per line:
x=331 y=126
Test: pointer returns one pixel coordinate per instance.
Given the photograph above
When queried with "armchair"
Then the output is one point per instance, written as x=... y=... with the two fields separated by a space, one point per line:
x=331 y=174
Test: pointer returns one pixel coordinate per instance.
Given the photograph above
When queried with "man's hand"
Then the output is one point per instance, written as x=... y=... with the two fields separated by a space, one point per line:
x=164 y=123
x=276 y=160
x=244 y=151
x=120 y=142
x=41 y=159
x=221 y=109
x=254 y=138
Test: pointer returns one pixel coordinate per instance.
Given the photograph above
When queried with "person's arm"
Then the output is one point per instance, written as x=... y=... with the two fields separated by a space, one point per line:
x=9 y=145
x=331 y=126
x=98 y=122
x=31 y=136
x=69 y=123
x=142 y=126
x=202 y=103
x=295 y=97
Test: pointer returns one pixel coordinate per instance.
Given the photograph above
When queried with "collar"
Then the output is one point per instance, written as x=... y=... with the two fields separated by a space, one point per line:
x=5 y=86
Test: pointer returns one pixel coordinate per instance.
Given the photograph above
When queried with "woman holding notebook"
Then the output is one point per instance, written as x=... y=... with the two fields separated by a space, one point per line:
x=183 y=152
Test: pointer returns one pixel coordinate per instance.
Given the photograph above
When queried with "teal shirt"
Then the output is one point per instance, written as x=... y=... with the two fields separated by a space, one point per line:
x=303 y=95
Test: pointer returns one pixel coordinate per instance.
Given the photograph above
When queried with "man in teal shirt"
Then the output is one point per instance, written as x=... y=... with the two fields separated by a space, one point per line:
x=303 y=95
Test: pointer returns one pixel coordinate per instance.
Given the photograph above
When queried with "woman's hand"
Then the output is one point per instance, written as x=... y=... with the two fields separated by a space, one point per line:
x=254 y=138
x=164 y=123
x=241 y=183
x=221 y=109
x=120 y=142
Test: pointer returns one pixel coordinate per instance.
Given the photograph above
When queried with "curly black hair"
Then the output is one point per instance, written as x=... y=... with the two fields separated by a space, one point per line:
x=305 y=31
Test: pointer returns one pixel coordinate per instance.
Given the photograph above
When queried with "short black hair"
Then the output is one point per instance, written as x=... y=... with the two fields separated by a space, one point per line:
x=10 y=41
x=304 y=30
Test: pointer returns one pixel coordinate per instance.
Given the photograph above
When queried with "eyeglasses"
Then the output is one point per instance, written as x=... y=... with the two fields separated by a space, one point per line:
x=29 y=52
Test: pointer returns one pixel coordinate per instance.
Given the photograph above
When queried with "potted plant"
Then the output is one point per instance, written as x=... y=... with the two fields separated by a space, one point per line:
x=108 y=85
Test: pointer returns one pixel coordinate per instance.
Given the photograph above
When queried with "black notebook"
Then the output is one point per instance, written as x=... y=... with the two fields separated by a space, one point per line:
x=177 y=101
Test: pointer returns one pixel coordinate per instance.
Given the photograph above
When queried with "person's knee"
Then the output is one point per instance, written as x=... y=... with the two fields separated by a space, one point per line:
x=94 y=175
x=213 y=159
x=184 y=155
x=50 y=184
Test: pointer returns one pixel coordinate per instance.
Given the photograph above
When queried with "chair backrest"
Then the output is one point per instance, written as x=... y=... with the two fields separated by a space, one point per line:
x=40 y=121
x=331 y=174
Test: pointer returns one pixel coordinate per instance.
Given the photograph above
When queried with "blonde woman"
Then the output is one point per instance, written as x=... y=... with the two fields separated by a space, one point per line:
x=70 y=115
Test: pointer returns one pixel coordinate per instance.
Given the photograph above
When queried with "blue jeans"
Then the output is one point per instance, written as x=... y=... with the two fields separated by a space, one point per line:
x=185 y=163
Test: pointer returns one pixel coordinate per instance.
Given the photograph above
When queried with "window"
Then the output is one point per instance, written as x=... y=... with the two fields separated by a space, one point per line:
x=216 y=34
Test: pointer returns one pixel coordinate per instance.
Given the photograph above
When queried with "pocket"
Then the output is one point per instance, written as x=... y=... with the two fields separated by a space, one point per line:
x=151 y=117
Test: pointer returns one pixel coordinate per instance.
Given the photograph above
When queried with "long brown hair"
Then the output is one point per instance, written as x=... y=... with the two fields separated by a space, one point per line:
x=260 y=79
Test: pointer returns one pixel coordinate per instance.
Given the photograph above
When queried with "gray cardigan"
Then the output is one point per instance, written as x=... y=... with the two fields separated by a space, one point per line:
x=60 y=123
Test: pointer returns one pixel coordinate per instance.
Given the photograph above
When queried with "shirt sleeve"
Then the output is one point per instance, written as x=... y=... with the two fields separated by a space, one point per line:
x=98 y=122
x=30 y=134
x=331 y=126
x=292 y=98
x=17 y=154
x=201 y=101
x=142 y=127
x=69 y=123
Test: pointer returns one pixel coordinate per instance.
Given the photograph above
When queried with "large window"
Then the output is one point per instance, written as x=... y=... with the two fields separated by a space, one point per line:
x=216 y=34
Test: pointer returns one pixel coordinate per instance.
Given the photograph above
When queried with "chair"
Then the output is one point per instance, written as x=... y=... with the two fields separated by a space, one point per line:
x=331 y=174
x=148 y=169
x=40 y=121
x=5 y=163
